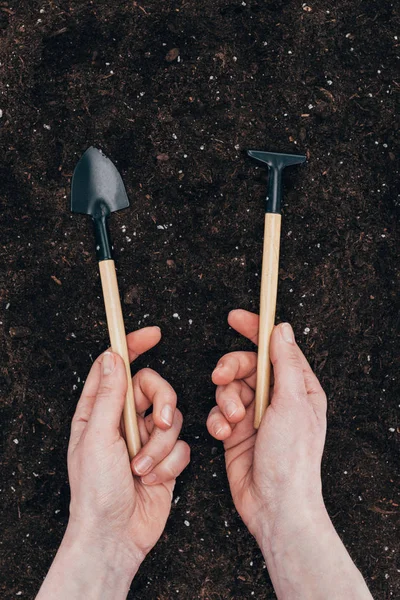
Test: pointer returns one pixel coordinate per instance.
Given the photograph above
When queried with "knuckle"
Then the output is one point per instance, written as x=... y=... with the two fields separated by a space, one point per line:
x=146 y=372
x=104 y=392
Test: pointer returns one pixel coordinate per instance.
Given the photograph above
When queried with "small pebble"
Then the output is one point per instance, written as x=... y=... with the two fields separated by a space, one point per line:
x=19 y=332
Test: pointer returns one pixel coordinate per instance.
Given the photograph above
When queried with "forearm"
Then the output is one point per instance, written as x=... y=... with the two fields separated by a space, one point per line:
x=82 y=569
x=306 y=559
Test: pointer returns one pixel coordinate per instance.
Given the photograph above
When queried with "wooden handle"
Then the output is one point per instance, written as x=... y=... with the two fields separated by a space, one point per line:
x=269 y=288
x=117 y=333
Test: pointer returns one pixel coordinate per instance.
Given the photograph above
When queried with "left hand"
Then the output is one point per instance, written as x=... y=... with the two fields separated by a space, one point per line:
x=108 y=503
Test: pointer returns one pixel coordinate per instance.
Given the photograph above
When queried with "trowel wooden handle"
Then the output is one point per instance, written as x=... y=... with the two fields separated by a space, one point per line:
x=117 y=333
x=269 y=288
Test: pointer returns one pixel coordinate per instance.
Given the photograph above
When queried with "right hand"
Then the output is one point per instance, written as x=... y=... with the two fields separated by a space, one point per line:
x=274 y=473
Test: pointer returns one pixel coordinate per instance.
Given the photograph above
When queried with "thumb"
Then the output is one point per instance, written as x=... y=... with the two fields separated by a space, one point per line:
x=111 y=393
x=286 y=358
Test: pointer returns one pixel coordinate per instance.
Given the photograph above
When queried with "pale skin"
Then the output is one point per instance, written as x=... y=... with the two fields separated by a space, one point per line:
x=119 y=509
x=275 y=473
x=116 y=518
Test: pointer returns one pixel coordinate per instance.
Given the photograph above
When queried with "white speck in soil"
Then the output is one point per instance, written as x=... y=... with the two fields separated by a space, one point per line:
x=7 y=305
x=190 y=321
x=16 y=441
x=46 y=127
x=306 y=330
x=187 y=523
x=392 y=429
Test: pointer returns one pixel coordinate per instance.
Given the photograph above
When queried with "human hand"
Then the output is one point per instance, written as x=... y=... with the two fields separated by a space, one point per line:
x=107 y=502
x=274 y=473
x=116 y=518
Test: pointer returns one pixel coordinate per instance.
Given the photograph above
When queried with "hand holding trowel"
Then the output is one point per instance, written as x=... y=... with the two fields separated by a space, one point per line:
x=270 y=268
x=98 y=190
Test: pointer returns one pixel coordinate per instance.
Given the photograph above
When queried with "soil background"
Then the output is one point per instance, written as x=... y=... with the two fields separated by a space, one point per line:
x=175 y=93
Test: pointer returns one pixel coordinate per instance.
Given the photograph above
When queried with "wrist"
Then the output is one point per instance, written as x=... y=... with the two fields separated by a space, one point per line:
x=274 y=530
x=111 y=554
x=301 y=544
x=90 y=567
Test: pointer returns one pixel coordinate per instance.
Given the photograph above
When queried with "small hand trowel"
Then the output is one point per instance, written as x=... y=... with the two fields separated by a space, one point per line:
x=98 y=190
x=270 y=268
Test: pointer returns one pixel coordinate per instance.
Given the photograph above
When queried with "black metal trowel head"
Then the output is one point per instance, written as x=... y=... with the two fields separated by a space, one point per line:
x=96 y=181
x=98 y=190
x=276 y=162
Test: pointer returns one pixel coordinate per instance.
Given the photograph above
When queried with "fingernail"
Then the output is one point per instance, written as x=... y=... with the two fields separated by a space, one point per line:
x=230 y=409
x=167 y=415
x=219 y=366
x=287 y=333
x=108 y=363
x=150 y=478
x=217 y=430
x=143 y=464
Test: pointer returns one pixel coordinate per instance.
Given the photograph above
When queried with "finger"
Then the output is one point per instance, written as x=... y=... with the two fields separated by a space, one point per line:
x=242 y=431
x=236 y=365
x=286 y=359
x=138 y=342
x=85 y=404
x=142 y=340
x=150 y=389
x=314 y=391
x=171 y=467
x=232 y=400
x=158 y=447
x=110 y=398
x=218 y=425
x=245 y=322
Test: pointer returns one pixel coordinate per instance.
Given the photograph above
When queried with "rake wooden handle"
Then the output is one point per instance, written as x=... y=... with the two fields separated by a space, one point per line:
x=269 y=288
x=117 y=334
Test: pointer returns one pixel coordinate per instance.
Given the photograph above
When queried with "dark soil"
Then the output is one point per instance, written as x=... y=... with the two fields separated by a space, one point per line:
x=174 y=93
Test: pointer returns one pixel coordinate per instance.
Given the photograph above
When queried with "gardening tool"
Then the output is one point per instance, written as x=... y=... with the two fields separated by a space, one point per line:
x=270 y=267
x=98 y=190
